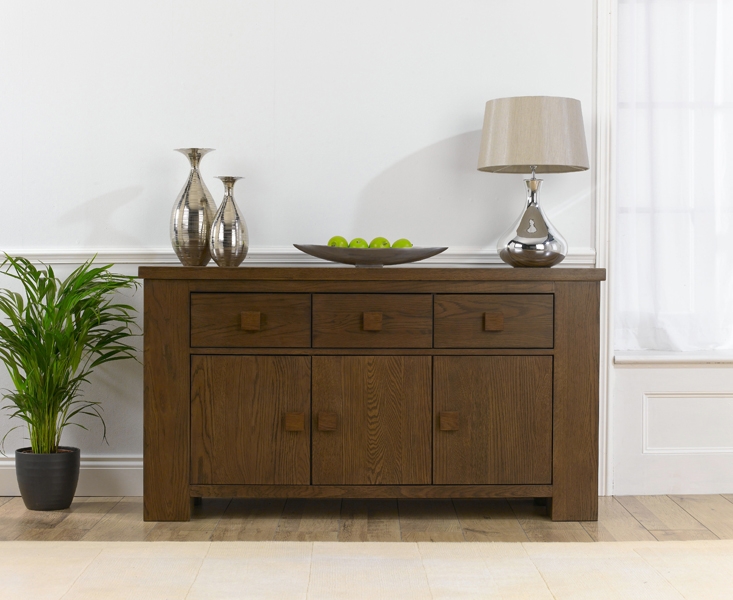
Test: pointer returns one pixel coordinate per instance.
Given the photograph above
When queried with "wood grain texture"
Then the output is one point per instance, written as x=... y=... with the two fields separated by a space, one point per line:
x=414 y=273
x=123 y=523
x=238 y=405
x=575 y=405
x=712 y=511
x=249 y=520
x=205 y=518
x=372 y=321
x=327 y=421
x=406 y=321
x=369 y=521
x=615 y=524
x=493 y=321
x=166 y=396
x=374 y=351
x=538 y=528
x=305 y=520
x=665 y=519
x=448 y=421
x=370 y=491
x=395 y=286
x=505 y=405
x=488 y=520
x=383 y=406
x=250 y=320
x=429 y=521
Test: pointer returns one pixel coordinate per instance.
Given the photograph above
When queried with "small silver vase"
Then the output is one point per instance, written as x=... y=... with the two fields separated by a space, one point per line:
x=193 y=214
x=229 y=241
x=532 y=241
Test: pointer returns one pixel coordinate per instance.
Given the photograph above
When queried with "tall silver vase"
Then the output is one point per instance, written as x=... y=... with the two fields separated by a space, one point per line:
x=193 y=214
x=532 y=241
x=229 y=240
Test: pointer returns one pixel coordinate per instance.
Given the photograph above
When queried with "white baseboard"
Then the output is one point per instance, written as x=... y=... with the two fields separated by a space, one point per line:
x=98 y=476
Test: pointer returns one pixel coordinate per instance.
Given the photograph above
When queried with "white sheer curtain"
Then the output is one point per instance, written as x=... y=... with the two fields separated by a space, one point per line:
x=674 y=195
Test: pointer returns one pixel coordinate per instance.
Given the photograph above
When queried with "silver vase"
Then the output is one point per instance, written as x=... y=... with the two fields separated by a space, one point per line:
x=229 y=241
x=193 y=214
x=532 y=241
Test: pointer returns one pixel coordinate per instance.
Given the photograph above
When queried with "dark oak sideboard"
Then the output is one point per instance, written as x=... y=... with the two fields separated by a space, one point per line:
x=374 y=383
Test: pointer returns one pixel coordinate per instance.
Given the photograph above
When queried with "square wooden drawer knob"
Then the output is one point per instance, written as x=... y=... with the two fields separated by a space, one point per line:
x=327 y=421
x=449 y=421
x=493 y=321
x=295 y=421
x=251 y=320
x=372 y=321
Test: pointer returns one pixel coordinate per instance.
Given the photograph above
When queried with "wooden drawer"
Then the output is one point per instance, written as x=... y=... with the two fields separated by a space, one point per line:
x=372 y=321
x=250 y=320
x=494 y=321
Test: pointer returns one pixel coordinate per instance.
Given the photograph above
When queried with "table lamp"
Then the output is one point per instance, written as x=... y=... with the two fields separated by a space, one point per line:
x=533 y=134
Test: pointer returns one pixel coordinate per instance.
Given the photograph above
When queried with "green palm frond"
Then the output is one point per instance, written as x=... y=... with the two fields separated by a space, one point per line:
x=52 y=340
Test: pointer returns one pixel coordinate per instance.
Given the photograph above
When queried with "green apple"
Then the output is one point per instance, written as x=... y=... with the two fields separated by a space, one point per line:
x=402 y=243
x=358 y=243
x=379 y=242
x=338 y=242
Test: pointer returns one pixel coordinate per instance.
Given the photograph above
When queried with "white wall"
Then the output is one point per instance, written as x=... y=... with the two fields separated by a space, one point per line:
x=345 y=118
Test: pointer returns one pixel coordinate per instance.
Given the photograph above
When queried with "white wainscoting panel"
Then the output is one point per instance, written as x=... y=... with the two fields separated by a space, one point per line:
x=687 y=423
x=672 y=427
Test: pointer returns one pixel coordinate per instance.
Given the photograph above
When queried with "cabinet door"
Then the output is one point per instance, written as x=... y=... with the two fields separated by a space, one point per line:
x=493 y=420
x=250 y=419
x=371 y=420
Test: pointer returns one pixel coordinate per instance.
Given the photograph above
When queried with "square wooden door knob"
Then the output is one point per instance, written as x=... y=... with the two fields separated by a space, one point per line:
x=493 y=321
x=251 y=320
x=295 y=421
x=449 y=421
x=327 y=421
x=372 y=321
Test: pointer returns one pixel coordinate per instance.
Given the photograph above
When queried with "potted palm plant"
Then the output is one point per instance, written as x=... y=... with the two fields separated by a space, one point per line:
x=50 y=342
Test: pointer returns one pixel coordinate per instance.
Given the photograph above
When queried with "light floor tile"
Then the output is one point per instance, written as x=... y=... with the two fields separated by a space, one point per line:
x=132 y=571
x=367 y=570
x=697 y=571
x=484 y=570
x=254 y=570
x=42 y=570
x=599 y=571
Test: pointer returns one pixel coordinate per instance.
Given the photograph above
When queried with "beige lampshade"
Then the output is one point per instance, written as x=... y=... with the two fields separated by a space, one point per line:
x=542 y=131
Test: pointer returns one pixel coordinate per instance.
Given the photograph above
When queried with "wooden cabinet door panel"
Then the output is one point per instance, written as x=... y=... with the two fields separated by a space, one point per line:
x=245 y=416
x=492 y=420
x=374 y=424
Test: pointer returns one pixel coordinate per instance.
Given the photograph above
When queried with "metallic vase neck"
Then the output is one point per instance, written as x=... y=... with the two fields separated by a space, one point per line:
x=533 y=190
x=229 y=182
x=194 y=155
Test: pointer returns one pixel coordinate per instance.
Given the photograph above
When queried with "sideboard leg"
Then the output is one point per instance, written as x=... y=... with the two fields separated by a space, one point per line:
x=166 y=438
x=575 y=402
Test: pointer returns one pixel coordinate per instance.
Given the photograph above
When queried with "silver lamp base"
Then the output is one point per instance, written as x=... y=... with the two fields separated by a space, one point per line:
x=532 y=241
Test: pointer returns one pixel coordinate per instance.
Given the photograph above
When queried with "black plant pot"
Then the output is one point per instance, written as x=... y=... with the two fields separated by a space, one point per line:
x=47 y=481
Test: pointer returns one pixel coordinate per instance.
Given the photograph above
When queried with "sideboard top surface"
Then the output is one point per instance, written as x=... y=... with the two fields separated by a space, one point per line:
x=370 y=274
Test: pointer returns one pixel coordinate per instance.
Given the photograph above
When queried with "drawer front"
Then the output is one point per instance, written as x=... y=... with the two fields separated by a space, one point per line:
x=250 y=320
x=372 y=321
x=494 y=321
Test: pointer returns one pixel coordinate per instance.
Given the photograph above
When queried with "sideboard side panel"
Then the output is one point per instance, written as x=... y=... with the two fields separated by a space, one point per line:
x=166 y=399
x=575 y=402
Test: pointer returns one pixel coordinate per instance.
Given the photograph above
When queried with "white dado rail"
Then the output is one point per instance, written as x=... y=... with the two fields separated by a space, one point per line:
x=282 y=255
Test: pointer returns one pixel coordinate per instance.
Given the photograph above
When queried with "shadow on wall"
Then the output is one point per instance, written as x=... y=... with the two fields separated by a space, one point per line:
x=437 y=197
x=99 y=219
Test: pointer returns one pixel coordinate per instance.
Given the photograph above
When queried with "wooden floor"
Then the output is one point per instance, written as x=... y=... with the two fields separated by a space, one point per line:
x=629 y=518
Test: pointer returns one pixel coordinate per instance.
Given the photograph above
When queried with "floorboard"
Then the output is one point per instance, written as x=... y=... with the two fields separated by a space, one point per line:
x=620 y=519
